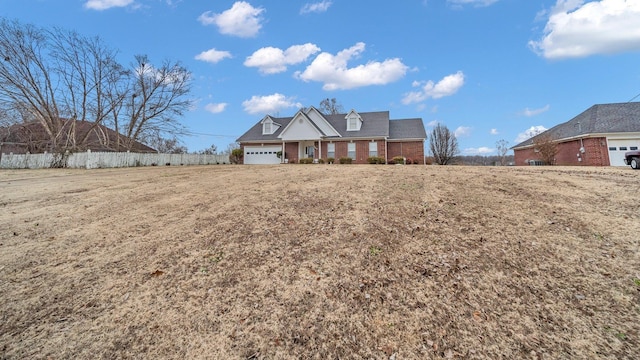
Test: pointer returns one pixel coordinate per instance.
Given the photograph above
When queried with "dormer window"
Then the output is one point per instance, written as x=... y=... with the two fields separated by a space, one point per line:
x=268 y=126
x=353 y=124
x=354 y=121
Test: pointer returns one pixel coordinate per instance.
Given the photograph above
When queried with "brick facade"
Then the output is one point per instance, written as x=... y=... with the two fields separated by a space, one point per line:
x=413 y=150
x=291 y=152
x=362 y=150
x=595 y=153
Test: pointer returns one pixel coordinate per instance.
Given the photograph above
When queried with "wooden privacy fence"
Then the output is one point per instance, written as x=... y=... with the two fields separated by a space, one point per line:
x=96 y=160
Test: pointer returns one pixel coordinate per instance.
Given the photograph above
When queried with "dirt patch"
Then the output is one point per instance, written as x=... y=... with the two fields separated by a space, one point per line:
x=320 y=261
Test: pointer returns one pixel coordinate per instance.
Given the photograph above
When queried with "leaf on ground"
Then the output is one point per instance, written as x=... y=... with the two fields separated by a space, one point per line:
x=157 y=273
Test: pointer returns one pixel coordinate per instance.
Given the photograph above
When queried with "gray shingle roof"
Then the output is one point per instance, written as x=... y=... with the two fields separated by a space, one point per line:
x=598 y=119
x=374 y=125
x=255 y=133
x=407 y=129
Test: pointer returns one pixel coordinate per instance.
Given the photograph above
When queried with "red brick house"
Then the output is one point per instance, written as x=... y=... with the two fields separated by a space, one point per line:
x=597 y=137
x=312 y=134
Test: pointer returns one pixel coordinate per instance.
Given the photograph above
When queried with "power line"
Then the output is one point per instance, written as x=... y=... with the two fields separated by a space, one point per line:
x=191 y=133
x=633 y=98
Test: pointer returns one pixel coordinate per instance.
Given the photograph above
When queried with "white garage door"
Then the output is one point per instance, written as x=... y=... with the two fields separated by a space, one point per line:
x=261 y=154
x=617 y=148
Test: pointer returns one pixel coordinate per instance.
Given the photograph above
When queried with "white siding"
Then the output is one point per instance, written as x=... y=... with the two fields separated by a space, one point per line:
x=321 y=123
x=300 y=128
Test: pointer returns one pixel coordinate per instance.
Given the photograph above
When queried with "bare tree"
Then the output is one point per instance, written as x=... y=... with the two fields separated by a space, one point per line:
x=443 y=145
x=28 y=89
x=57 y=77
x=331 y=107
x=51 y=77
x=88 y=70
x=167 y=146
x=503 y=147
x=156 y=98
x=230 y=147
x=546 y=147
x=211 y=150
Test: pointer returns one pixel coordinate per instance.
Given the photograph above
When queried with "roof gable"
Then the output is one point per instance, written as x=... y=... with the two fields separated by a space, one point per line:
x=321 y=122
x=300 y=127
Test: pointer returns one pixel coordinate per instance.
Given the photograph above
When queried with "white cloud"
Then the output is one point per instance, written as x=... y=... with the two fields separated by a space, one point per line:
x=483 y=150
x=494 y=132
x=213 y=56
x=215 y=108
x=448 y=86
x=533 y=112
x=270 y=60
x=241 y=20
x=106 y=4
x=269 y=104
x=332 y=70
x=529 y=133
x=477 y=3
x=575 y=29
x=316 y=7
x=462 y=131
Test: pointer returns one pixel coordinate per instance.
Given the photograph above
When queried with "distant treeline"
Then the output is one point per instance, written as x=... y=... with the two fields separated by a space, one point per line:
x=491 y=160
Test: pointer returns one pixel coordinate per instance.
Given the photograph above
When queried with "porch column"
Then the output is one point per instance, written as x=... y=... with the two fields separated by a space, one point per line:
x=283 y=152
x=319 y=149
x=386 y=151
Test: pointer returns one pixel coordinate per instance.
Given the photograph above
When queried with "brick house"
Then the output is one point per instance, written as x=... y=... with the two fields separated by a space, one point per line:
x=311 y=134
x=597 y=137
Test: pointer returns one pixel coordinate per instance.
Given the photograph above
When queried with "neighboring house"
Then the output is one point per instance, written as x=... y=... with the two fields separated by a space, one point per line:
x=32 y=138
x=311 y=134
x=598 y=137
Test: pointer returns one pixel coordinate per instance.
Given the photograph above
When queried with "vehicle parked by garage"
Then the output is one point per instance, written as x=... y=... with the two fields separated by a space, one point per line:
x=632 y=158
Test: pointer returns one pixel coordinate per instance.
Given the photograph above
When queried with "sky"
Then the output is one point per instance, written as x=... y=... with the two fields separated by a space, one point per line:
x=488 y=70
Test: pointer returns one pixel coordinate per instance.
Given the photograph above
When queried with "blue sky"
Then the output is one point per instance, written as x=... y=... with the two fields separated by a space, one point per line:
x=487 y=69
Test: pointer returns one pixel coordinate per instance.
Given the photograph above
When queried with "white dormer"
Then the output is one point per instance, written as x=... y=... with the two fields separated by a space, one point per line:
x=269 y=126
x=354 y=121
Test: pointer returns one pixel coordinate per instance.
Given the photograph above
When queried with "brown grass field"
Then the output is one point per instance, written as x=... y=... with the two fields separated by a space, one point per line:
x=320 y=262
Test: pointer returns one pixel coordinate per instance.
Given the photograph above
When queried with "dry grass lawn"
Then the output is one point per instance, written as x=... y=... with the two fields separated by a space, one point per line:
x=320 y=262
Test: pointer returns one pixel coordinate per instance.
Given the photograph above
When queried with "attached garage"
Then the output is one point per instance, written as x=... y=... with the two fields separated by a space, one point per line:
x=254 y=155
x=617 y=148
x=599 y=136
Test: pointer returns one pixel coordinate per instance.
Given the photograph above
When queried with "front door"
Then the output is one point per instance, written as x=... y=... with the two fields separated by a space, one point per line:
x=307 y=149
